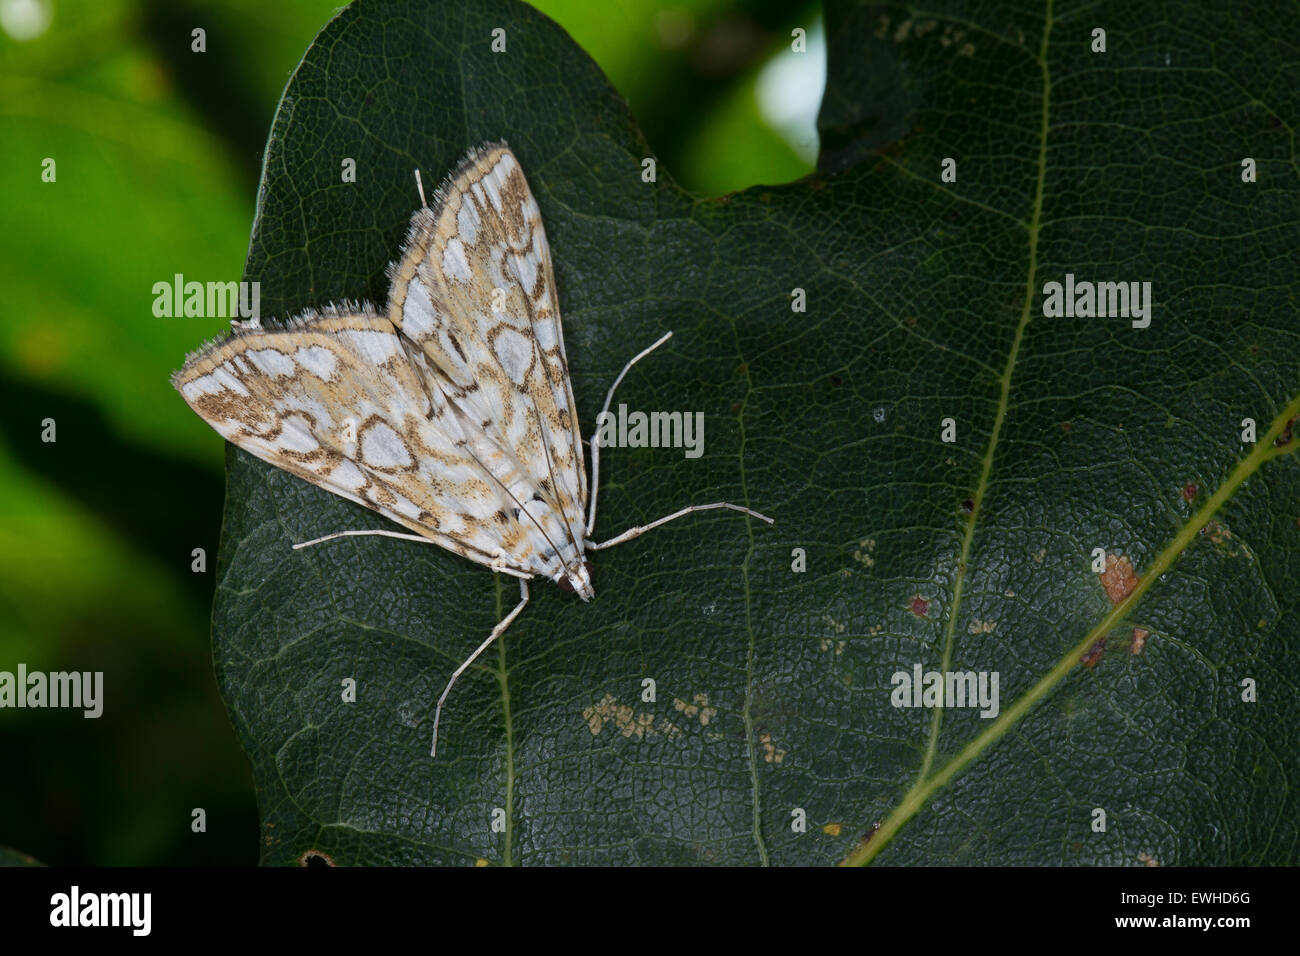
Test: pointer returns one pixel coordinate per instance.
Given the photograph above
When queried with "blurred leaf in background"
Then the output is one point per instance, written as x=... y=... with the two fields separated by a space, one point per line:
x=713 y=85
x=156 y=152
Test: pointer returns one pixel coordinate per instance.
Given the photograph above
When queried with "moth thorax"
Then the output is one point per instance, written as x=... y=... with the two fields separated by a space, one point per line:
x=577 y=580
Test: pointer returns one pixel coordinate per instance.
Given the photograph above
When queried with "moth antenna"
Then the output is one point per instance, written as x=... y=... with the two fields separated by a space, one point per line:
x=636 y=532
x=595 y=445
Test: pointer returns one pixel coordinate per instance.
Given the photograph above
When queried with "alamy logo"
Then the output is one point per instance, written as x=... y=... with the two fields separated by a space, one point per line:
x=946 y=689
x=80 y=690
x=76 y=908
x=1085 y=299
x=656 y=430
x=192 y=299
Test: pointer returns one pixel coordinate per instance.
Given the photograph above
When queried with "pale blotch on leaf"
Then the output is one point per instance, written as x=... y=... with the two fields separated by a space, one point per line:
x=825 y=645
x=699 y=707
x=1223 y=539
x=1139 y=640
x=626 y=720
x=770 y=753
x=833 y=624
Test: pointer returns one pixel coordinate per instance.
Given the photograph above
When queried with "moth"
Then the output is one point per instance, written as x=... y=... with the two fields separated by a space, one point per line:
x=450 y=412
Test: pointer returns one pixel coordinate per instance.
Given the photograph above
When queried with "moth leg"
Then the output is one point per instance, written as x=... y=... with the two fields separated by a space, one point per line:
x=631 y=533
x=496 y=632
x=348 y=534
x=595 y=445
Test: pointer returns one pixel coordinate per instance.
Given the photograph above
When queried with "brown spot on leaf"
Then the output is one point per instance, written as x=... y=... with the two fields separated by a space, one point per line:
x=871 y=831
x=832 y=829
x=1118 y=579
x=1189 y=491
x=316 y=858
x=1094 y=654
x=1139 y=640
x=1284 y=438
x=920 y=606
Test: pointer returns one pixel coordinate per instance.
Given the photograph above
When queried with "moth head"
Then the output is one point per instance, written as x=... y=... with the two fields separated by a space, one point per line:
x=576 y=579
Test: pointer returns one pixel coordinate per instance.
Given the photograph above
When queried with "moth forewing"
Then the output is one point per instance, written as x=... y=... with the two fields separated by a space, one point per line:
x=451 y=413
x=475 y=291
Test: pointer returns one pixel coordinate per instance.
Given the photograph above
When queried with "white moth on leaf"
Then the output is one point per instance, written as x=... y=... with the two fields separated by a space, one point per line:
x=451 y=412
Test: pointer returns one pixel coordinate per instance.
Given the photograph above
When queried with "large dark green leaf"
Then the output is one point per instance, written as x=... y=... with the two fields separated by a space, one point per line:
x=773 y=687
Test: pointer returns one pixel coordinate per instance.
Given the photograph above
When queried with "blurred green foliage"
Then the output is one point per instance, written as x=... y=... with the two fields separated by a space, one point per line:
x=157 y=152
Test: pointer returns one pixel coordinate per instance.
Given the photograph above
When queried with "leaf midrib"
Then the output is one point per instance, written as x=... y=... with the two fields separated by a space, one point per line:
x=1004 y=399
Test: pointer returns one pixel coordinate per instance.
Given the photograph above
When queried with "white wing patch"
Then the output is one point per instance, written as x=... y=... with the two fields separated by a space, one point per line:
x=515 y=354
x=382 y=449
